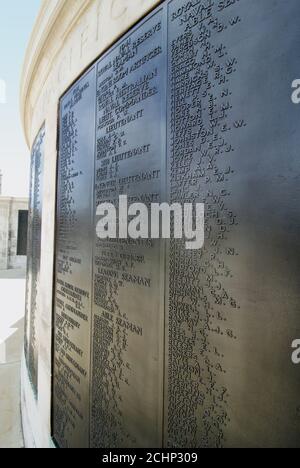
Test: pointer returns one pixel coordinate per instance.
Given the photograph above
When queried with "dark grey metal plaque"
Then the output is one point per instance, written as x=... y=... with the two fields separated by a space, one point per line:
x=73 y=280
x=128 y=318
x=34 y=257
x=233 y=307
x=183 y=348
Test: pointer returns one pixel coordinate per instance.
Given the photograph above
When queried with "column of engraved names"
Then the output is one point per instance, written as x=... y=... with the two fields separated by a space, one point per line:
x=200 y=301
x=73 y=267
x=29 y=259
x=126 y=271
x=64 y=290
x=34 y=245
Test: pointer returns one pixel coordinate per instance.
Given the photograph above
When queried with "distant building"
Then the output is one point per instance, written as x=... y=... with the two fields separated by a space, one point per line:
x=13 y=231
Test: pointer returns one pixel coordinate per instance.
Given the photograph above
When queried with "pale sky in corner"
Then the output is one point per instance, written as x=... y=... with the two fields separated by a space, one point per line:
x=16 y=22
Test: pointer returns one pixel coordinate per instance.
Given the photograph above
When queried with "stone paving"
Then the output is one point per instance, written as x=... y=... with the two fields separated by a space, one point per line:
x=12 y=305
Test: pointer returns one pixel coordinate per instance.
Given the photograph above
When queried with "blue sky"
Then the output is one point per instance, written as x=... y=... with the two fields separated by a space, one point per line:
x=16 y=23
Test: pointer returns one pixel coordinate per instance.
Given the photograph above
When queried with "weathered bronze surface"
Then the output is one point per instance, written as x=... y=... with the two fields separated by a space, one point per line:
x=34 y=257
x=128 y=315
x=156 y=345
x=74 y=265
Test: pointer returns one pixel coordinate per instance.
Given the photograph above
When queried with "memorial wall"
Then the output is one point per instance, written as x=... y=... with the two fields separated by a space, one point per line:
x=141 y=342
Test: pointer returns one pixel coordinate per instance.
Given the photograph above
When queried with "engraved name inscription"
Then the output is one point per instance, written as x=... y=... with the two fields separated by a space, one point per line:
x=34 y=258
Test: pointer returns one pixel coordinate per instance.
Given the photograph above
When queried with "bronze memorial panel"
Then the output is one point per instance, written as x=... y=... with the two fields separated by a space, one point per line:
x=74 y=265
x=128 y=316
x=156 y=345
x=34 y=257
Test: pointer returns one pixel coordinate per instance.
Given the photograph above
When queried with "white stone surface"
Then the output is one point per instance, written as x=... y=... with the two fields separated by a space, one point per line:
x=12 y=297
x=10 y=416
